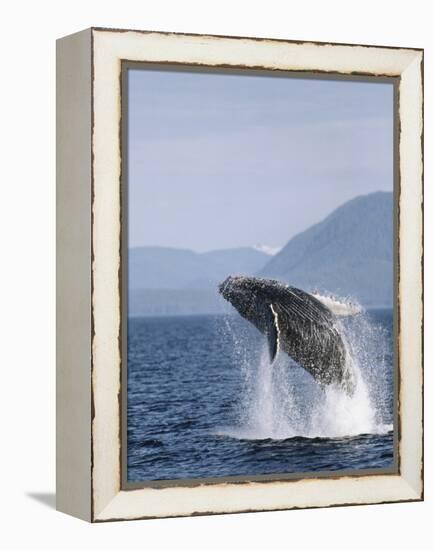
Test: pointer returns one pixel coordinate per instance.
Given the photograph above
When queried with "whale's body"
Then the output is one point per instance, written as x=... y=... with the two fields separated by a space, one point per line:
x=294 y=322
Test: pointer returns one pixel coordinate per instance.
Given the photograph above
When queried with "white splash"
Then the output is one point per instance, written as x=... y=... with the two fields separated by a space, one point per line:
x=341 y=415
x=282 y=401
x=338 y=306
x=266 y=410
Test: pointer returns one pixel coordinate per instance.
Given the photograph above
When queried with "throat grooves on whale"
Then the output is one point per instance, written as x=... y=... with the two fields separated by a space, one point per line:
x=281 y=400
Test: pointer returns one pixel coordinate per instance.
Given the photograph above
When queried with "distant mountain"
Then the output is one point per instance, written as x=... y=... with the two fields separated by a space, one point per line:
x=154 y=267
x=349 y=253
x=171 y=281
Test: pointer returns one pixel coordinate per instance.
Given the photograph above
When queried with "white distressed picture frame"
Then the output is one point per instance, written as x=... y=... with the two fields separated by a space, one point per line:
x=89 y=170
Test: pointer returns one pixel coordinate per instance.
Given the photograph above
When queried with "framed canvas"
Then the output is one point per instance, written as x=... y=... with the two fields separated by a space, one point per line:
x=239 y=274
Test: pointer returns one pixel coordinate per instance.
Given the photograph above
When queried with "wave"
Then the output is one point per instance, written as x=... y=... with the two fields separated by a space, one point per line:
x=282 y=401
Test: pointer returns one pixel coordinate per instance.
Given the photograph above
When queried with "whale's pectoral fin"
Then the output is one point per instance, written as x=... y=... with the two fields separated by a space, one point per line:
x=272 y=333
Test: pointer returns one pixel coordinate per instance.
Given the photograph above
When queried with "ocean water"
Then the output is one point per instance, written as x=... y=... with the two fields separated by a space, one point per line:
x=203 y=401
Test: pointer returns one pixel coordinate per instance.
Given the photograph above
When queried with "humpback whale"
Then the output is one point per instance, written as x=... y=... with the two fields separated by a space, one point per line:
x=294 y=322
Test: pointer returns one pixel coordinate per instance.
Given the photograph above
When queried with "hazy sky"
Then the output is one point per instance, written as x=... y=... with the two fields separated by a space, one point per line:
x=221 y=161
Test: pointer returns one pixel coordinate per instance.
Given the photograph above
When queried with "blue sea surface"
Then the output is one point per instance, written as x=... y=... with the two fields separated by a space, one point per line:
x=204 y=402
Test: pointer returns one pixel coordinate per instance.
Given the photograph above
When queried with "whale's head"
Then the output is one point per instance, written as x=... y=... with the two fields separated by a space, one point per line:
x=239 y=291
x=250 y=296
